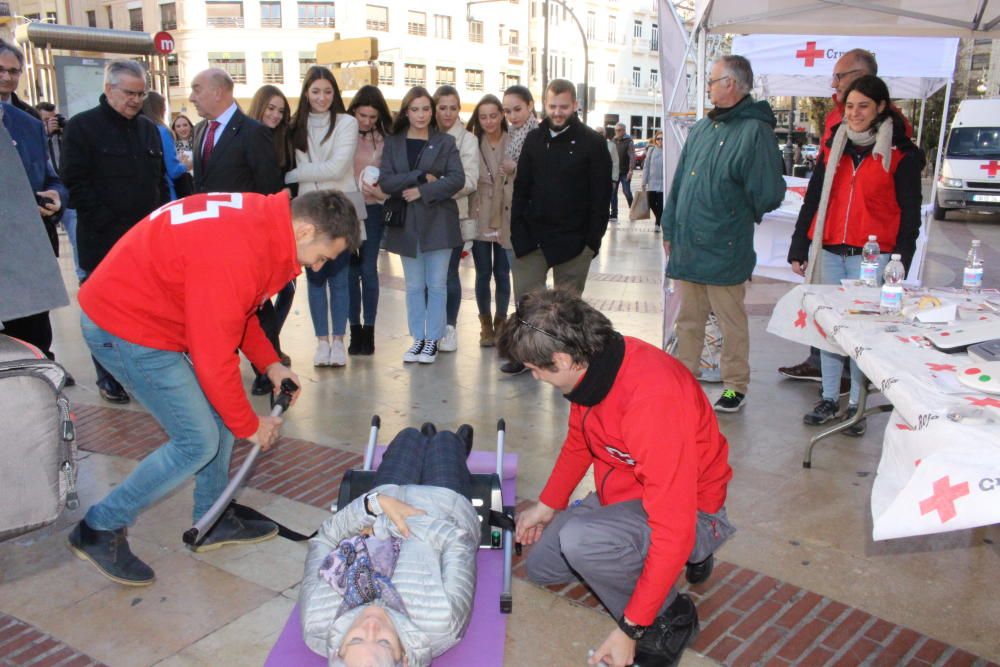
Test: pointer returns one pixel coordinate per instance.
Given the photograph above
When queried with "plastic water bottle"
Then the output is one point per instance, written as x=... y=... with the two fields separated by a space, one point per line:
x=892 y=286
x=869 y=262
x=972 y=277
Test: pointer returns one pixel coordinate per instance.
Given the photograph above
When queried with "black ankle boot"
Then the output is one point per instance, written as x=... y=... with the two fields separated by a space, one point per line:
x=665 y=640
x=357 y=345
x=464 y=434
x=368 y=332
x=108 y=550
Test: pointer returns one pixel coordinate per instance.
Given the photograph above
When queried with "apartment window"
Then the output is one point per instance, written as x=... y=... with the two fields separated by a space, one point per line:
x=317 y=14
x=652 y=125
x=415 y=75
x=476 y=32
x=512 y=79
x=173 y=71
x=636 y=127
x=444 y=76
x=442 y=26
x=51 y=17
x=474 y=79
x=533 y=66
x=611 y=73
x=386 y=73
x=654 y=78
x=637 y=29
x=168 y=16
x=612 y=29
x=980 y=61
x=92 y=19
x=514 y=38
x=377 y=18
x=274 y=67
x=234 y=64
x=135 y=20
x=111 y=20
x=270 y=15
x=306 y=60
x=502 y=80
x=225 y=14
x=654 y=37
x=982 y=42
x=591 y=25
x=636 y=77
x=416 y=23
x=35 y=18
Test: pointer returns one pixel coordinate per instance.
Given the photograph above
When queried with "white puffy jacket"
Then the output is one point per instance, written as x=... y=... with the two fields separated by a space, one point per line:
x=435 y=574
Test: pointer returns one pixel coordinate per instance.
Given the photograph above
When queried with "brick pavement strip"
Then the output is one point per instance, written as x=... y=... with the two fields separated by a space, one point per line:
x=747 y=617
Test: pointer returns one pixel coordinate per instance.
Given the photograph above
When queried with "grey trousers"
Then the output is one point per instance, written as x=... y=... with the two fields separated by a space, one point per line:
x=529 y=272
x=605 y=547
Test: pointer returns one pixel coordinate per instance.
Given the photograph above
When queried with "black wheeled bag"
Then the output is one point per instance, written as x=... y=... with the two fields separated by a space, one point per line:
x=37 y=447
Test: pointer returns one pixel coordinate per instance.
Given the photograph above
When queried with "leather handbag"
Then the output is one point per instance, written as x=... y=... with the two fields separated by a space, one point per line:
x=394 y=212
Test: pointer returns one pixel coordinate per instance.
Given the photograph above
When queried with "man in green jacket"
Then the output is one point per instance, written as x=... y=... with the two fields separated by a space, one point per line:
x=728 y=177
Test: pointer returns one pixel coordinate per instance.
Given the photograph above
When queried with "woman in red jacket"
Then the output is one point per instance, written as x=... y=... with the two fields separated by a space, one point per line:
x=868 y=183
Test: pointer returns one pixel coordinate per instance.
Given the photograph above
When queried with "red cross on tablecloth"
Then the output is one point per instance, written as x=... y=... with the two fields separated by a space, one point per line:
x=810 y=54
x=991 y=168
x=800 y=321
x=984 y=402
x=940 y=367
x=943 y=499
x=819 y=329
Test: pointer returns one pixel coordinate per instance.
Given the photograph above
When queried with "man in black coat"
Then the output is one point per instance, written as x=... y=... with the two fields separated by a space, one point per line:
x=112 y=163
x=232 y=152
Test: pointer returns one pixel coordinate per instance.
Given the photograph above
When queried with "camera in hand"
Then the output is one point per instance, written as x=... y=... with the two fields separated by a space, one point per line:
x=60 y=121
x=44 y=201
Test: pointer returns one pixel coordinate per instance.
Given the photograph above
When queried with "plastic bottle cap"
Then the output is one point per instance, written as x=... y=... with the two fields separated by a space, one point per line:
x=871 y=237
x=897 y=256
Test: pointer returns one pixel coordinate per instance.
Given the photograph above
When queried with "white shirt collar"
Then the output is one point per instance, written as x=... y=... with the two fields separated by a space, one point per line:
x=224 y=117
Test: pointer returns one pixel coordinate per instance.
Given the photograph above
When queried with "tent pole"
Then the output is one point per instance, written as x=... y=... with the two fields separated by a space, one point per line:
x=700 y=91
x=940 y=146
x=920 y=126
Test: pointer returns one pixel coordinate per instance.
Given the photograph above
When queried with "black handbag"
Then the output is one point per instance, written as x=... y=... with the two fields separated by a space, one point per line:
x=394 y=212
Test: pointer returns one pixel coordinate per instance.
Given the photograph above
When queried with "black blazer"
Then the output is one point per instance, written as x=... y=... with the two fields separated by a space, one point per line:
x=243 y=159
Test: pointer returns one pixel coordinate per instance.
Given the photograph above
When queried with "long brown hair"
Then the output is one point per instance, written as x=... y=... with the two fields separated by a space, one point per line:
x=300 y=124
x=258 y=106
x=173 y=127
x=402 y=122
x=370 y=96
x=474 y=126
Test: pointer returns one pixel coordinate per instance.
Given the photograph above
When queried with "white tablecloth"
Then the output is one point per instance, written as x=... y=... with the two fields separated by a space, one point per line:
x=940 y=467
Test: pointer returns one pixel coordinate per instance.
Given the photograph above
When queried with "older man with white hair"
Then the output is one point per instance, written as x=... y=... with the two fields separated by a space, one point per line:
x=112 y=163
x=728 y=177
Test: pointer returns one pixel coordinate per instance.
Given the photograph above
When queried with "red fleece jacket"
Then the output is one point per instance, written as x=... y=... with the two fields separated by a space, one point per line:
x=654 y=437
x=189 y=278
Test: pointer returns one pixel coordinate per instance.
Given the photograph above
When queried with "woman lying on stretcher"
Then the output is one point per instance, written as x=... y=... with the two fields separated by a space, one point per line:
x=390 y=578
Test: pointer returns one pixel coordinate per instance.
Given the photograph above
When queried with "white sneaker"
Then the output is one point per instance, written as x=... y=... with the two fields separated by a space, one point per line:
x=322 y=356
x=449 y=343
x=338 y=356
x=413 y=354
x=428 y=355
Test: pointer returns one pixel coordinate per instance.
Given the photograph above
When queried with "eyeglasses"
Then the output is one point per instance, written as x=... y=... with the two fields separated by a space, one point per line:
x=839 y=76
x=542 y=331
x=12 y=71
x=711 y=81
x=133 y=94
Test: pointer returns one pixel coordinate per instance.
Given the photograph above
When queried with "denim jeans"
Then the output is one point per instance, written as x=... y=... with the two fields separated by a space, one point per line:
x=199 y=443
x=335 y=274
x=105 y=380
x=69 y=222
x=454 y=286
x=363 y=282
x=426 y=277
x=491 y=260
x=626 y=188
x=413 y=458
x=836 y=267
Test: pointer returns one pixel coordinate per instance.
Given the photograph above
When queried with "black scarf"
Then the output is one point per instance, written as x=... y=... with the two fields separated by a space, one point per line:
x=601 y=373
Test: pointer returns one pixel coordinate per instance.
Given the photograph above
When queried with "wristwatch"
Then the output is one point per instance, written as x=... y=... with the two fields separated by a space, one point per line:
x=372 y=506
x=632 y=631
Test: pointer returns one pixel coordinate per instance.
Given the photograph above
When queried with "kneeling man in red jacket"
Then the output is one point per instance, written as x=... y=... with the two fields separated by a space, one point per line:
x=167 y=312
x=660 y=467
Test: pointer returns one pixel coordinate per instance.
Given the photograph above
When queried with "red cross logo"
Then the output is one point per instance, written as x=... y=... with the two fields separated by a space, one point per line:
x=984 y=402
x=810 y=54
x=903 y=427
x=943 y=499
x=940 y=367
x=991 y=167
x=800 y=323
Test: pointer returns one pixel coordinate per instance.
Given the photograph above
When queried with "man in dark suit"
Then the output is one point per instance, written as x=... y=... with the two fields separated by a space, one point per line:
x=232 y=153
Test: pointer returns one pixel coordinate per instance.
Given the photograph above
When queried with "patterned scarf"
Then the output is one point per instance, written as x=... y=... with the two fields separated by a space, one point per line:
x=517 y=136
x=361 y=568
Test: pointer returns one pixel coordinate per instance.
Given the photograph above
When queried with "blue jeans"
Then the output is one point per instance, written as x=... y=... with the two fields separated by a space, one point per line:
x=426 y=278
x=199 y=443
x=454 y=286
x=69 y=222
x=335 y=274
x=626 y=188
x=491 y=261
x=413 y=458
x=363 y=281
x=835 y=268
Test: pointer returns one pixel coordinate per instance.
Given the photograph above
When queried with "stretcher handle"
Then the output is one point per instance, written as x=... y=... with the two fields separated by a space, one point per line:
x=372 y=439
x=196 y=533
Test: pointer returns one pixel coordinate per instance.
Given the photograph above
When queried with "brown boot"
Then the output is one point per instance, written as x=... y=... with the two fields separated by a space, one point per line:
x=498 y=323
x=485 y=331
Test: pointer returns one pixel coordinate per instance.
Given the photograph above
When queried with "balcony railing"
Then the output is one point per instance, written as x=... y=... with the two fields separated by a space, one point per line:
x=640 y=44
x=380 y=26
x=419 y=29
x=225 y=21
x=270 y=22
x=317 y=22
x=515 y=51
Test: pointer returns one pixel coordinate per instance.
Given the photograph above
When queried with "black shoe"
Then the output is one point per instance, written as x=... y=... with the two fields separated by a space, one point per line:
x=109 y=552
x=367 y=339
x=730 y=401
x=112 y=392
x=803 y=371
x=232 y=530
x=70 y=380
x=428 y=430
x=665 y=640
x=464 y=434
x=824 y=411
x=357 y=340
x=262 y=386
x=857 y=430
x=697 y=573
x=513 y=367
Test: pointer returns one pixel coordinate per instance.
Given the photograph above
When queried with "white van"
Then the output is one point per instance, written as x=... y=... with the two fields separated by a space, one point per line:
x=970 y=172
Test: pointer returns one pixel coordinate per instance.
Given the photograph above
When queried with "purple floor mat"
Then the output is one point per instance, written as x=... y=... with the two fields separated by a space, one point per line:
x=483 y=644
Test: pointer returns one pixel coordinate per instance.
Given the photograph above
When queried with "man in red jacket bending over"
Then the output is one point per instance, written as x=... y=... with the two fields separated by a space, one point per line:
x=660 y=467
x=167 y=312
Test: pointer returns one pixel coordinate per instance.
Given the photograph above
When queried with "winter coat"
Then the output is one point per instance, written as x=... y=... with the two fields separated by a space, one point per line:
x=468 y=150
x=435 y=574
x=493 y=184
x=652 y=169
x=727 y=178
x=329 y=164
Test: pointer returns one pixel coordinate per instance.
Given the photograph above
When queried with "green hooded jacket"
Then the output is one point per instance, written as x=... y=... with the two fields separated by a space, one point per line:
x=729 y=175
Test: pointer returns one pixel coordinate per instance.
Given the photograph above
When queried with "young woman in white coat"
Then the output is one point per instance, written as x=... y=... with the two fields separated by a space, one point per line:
x=325 y=138
x=446 y=108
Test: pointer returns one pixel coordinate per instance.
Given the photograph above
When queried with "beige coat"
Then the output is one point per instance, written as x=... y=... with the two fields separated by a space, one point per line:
x=493 y=185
